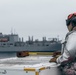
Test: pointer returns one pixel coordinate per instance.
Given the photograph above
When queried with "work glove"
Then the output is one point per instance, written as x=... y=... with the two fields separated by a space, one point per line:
x=56 y=54
x=53 y=59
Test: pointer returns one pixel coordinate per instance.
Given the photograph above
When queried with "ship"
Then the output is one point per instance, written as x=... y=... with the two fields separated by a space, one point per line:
x=13 y=43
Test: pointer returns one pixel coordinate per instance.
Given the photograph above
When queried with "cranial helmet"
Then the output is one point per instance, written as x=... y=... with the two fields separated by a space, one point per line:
x=71 y=19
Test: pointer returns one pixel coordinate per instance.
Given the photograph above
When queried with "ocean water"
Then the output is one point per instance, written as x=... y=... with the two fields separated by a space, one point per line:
x=7 y=55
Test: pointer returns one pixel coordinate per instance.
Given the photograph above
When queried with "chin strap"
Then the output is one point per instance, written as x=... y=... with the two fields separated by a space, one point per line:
x=73 y=25
x=71 y=29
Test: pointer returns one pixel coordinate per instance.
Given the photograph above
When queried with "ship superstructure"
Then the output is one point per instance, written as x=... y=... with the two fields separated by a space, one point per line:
x=12 y=43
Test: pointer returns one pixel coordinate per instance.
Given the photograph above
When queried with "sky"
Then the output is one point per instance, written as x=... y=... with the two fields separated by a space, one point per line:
x=37 y=18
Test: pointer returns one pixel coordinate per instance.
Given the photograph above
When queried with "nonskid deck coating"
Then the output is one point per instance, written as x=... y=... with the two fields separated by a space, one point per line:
x=29 y=60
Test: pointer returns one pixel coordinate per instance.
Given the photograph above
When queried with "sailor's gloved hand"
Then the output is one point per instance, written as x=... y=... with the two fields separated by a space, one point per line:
x=53 y=59
x=56 y=54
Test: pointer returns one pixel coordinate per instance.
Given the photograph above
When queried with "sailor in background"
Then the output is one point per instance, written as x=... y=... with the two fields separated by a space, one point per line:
x=68 y=52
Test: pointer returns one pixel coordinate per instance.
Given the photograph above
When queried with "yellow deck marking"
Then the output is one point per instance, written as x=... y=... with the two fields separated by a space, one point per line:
x=29 y=69
x=43 y=68
x=37 y=73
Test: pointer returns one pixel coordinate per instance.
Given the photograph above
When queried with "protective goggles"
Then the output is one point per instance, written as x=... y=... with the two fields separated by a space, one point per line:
x=68 y=22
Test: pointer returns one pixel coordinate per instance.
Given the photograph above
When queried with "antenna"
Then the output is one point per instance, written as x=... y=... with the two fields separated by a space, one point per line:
x=14 y=31
x=11 y=30
x=58 y=37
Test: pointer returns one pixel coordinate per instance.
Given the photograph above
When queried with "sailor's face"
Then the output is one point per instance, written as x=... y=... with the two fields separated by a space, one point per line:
x=69 y=27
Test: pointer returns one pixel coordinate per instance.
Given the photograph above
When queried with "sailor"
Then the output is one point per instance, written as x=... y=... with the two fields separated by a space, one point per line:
x=68 y=52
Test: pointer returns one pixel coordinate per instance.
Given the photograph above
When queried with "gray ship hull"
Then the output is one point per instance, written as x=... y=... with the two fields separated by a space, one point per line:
x=12 y=43
x=32 y=48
